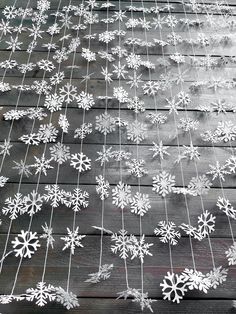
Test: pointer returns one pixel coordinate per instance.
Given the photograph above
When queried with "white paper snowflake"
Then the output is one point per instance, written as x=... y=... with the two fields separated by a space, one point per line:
x=140 y=204
x=73 y=240
x=105 y=123
x=60 y=153
x=167 y=232
x=80 y=162
x=225 y=205
x=122 y=245
x=136 y=131
x=173 y=287
x=206 y=223
x=103 y=274
x=78 y=199
x=140 y=248
x=41 y=294
x=136 y=167
x=33 y=203
x=217 y=276
x=163 y=183
x=85 y=100
x=14 y=206
x=102 y=187
x=121 y=195
x=196 y=280
x=25 y=244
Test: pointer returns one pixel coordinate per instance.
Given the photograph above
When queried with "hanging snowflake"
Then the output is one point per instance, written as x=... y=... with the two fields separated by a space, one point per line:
x=136 y=132
x=83 y=131
x=140 y=204
x=78 y=199
x=25 y=244
x=217 y=276
x=73 y=240
x=103 y=274
x=140 y=248
x=41 y=294
x=14 y=206
x=167 y=232
x=66 y=298
x=105 y=123
x=85 y=100
x=121 y=195
x=206 y=223
x=33 y=203
x=163 y=183
x=173 y=287
x=123 y=243
x=196 y=280
x=136 y=167
x=80 y=162
x=225 y=205
x=60 y=153
x=102 y=187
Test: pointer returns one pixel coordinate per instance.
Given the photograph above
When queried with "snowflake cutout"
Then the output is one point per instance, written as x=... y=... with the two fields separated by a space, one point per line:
x=173 y=287
x=121 y=195
x=140 y=204
x=80 y=162
x=167 y=232
x=163 y=183
x=25 y=244
x=73 y=240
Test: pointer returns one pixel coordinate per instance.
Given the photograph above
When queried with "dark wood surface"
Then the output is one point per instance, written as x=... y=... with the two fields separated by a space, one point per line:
x=101 y=298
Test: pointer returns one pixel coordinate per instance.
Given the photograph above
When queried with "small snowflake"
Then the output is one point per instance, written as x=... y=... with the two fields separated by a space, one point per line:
x=167 y=232
x=136 y=167
x=206 y=223
x=140 y=248
x=103 y=274
x=140 y=204
x=218 y=171
x=53 y=102
x=72 y=240
x=217 y=276
x=25 y=244
x=60 y=153
x=22 y=168
x=56 y=196
x=163 y=183
x=136 y=132
x=102 y=187
x=121 y=195
x=80 y=162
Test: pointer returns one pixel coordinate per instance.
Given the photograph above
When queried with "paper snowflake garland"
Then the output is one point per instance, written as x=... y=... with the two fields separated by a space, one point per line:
x=121 y=195
x=136 y=167
x=42 y=294
x=173 y=287
x=163 y=183
x=167 y=232
x=80 y=162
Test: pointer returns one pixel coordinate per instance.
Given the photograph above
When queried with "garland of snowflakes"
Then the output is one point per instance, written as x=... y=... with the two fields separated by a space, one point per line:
x=124 y=64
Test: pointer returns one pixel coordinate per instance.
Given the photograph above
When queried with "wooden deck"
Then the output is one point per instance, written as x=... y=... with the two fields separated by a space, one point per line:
x=100 y=298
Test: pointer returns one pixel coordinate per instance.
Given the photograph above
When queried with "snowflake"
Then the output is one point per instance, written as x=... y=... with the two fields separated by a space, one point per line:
x=218 y=171
x=13 y=44
x=107 y=36
x=163 y=183
x=60 y=153
x=105 y=123
x=14 y=114
x=157 y=118
x=33 y=203
x=173 y=287
x=121 y=195
x=225 y=205
x=151 y=88
x=231 y=164
x=136 y=104
x=68 y=93
x=42 y=165
x=102 y=187
x=57 y=78
x=22 y=168
x=159 y=150
x=231 y=254
x=139 y=248
x=42 y=294
x=103 y=274
x=47 y=133
x=217 y=276
x=140 y=204
x=122 y=244
x=14 y=206
x=120 y=155
x=104 y=155
x=167 y=232
x=3 y=181
x=206 y=223
x=133 y=61
x=53 y=102
x=25 y=244
x=83 y=131
x=5 y=148
x=199 y=185
x=85 y=100
x=36 y=113
x=119 y=70
x=80 y=162
x=196 y=280
x=63 y=123
x=66 y=298
x=173 y=106
x=48 y=235
x=30 y=139
x=136 y=132
x=88 y=55
x=120 y=94
x=73 y=240
x=226 y=131
x=136 y=167
x=78 y=199
x=142 y=299
x=55 y=195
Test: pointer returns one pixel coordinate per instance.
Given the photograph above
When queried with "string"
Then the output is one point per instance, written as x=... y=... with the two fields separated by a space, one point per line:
x=24 y=162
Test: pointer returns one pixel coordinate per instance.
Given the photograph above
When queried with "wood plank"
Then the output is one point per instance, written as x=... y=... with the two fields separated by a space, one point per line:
x=91 y=216
x=97 y=88
x=107 y=306
x=167 y=131
x=86 y=261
